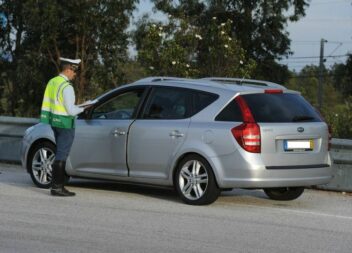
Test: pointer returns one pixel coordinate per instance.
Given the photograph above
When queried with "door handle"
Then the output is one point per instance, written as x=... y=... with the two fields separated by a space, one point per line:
x=176 y=134
x=117 y=133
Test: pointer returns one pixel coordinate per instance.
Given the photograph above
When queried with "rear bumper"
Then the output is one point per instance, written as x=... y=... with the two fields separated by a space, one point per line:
x=264 y=182
x=233 y=172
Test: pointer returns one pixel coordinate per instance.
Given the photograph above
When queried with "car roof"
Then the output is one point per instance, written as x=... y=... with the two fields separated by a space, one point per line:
x=233 y=84
x=245 y=82
x=210 y=84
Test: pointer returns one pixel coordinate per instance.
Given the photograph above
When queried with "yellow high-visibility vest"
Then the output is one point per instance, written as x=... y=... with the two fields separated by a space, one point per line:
x=53 y=110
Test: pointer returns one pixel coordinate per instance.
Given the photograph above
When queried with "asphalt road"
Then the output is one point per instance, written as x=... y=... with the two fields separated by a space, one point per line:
x=110 y=217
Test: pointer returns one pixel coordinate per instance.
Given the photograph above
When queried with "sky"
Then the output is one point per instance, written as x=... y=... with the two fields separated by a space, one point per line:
x=330 y=20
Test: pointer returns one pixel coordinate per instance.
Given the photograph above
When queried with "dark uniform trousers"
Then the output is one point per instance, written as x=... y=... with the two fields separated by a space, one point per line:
x=64 y=138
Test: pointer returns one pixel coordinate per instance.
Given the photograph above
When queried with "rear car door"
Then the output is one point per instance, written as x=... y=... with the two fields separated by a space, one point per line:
x=100 y=142
x=158 y=134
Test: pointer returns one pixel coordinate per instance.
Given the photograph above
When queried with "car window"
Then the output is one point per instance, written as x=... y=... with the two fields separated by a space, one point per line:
x=201 y=100
x=168 y=103
x=122 y=106
x=281 y=108
x=176 y=103
x=232 y=112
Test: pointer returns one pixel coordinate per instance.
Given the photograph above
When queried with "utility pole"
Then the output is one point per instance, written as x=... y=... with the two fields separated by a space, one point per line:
x=321 y=70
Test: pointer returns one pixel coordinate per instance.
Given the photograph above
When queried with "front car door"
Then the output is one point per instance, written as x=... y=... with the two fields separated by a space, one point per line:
x=100 y=142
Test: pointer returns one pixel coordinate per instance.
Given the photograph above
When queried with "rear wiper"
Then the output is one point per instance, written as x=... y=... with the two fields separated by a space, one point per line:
x=302 y=118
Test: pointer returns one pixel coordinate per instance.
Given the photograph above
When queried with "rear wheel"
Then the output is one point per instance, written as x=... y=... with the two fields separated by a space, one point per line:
x=195 y=181
x=284 y=193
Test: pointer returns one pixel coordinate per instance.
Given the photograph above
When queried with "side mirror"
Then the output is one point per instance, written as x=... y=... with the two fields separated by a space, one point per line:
x=84 y=115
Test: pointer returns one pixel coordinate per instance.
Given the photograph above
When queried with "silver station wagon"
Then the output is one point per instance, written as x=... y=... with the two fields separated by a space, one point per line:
x=200 y=136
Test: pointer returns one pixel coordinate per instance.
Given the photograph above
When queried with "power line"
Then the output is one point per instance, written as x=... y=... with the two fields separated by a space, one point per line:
x=328 y=20
x=344 y=42
x=333 y=51
x=308 y=59
x=311 y=42
x=331 y=2
x=313 y=57
x=311 y=62
x=310 y=76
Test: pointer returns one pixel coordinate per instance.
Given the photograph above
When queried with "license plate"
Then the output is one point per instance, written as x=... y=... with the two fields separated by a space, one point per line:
x=298 y=145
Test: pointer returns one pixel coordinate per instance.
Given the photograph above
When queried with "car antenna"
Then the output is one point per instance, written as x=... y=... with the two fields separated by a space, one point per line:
x=241 y=81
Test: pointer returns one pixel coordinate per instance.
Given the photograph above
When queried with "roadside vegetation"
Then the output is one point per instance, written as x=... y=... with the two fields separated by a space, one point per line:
x=235 y=38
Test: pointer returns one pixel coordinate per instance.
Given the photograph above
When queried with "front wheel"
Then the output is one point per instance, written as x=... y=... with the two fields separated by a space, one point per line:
x=195 y=181
x=284 y=193
x=40 y=162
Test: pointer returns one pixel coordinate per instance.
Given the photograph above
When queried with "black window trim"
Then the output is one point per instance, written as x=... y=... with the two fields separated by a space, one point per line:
x=232 y=100
x=150 y=95
x=110 y=95
x=152 y=89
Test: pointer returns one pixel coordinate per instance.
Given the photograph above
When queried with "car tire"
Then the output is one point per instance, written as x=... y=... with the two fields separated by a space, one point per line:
x=195 y=181
x=284 y=193
x=39 y=164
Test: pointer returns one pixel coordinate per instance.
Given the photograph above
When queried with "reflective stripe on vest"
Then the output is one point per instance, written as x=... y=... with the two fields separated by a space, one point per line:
x=53 y=110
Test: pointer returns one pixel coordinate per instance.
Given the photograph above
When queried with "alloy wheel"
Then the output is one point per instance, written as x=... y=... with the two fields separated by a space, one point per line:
x=42 y=165
x=193 y=180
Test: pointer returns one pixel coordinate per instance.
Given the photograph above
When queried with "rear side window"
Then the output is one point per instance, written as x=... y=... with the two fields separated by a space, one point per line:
x=200 y=100
x=168 y=103
x=176 y=103
x=280 y=108
x=232 y=112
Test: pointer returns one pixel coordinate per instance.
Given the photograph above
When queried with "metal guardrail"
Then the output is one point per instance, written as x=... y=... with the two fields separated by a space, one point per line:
x=341 y=153
x=12 y=130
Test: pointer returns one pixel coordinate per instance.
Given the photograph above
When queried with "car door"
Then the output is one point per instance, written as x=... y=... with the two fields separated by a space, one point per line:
x=100 y=142
x=157 y=135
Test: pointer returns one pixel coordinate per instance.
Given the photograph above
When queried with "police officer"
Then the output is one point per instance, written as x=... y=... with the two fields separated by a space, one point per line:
x=59 y=110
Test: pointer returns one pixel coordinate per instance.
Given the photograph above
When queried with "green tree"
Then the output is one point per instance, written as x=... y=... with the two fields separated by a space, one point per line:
x=180 y=49
x=342 y=77
x=340 y=118
x=166 y=49
x=337 y=107
x=39 y=32
x=307 y=82
x=258 y=25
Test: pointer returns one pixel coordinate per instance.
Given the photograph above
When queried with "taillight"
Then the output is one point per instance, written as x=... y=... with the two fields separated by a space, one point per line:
x=248 y=133
x=246 y=112
x=248 y=136
x=273 y=91
x=330 y=137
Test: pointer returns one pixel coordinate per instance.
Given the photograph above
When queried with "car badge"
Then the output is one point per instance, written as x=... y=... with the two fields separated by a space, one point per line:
x=300 y=129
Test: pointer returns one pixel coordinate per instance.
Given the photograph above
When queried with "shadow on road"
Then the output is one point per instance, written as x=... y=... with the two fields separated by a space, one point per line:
x=165 y=193
x=14 y=175
x=140 y=189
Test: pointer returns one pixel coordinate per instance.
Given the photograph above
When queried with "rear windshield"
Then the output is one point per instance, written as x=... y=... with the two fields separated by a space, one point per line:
x=281 y=108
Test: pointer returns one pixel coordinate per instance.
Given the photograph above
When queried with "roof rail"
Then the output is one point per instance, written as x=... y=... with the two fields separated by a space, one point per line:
x=245 y=82
x=161 y=78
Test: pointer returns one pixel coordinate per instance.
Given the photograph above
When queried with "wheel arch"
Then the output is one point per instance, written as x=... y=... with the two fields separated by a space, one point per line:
x=179 y=159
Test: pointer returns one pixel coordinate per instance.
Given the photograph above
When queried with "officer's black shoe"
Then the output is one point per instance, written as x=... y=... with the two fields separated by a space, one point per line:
x=67 y=192
x=58 y=180
x=61 y=192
